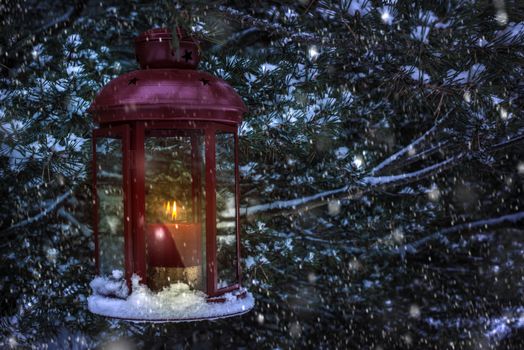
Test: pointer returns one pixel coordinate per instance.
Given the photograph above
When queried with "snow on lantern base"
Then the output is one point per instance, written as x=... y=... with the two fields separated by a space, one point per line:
x=176 y=303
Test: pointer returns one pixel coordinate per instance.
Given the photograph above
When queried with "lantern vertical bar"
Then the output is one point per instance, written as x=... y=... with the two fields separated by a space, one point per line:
x=128 y=227
x=95 y=205
x=119 y=132
x=140 y=267
x=211 y=211
x=196 y=178
x=237 y=207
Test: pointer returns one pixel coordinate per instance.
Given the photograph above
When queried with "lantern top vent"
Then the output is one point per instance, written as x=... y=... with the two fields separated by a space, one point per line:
x=154 y=49
x=167 y=87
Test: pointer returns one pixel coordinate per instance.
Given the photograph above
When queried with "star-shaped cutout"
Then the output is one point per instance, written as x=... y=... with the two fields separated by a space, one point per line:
x=204 y=81
x=132 y=81
x=188 y=55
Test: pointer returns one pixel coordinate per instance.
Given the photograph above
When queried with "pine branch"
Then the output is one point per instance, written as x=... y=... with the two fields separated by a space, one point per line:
x=409 y=149
x=479 y=224
x=274 y=29
x=66 y=215
x=424 y=155
x=17 y=56
x=364 y=185
x=508 y=142
x=293 y=203
x=244 y=38
x=47 y=210
x=401 y=179
x=369 y=182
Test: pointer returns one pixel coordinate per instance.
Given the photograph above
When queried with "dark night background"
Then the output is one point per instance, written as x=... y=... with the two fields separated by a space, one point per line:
x=409 y=112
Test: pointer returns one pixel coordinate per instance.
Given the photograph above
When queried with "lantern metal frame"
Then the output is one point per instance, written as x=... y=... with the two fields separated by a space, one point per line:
x=165 y=98
x=133 y=137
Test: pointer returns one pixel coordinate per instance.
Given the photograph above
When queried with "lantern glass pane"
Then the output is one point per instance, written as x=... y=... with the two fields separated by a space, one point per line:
x=226 y=239
x=175 y=208
x=109 y=190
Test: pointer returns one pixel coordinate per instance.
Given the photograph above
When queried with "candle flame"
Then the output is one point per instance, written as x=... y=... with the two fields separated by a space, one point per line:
x=170 y=210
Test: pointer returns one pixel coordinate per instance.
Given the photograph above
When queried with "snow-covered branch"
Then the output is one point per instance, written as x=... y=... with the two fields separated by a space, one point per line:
x=395 y=180
x=423 y=155
x=66 y=215
x=371 y=181
x=48 y=209
x=365 y=184
x=480 y=224
x=246 y=37
x=294 y=203
x=273 y=28
x=508 y=142
x=409 y=149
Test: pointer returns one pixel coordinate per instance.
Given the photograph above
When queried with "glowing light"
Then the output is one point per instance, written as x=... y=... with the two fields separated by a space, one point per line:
x=170 y=210
x=311 y=277
x=467 y=96
x=414 y=311
x=503 y=113
x=520 y=167
x=434 y=194
x=334 y=207
x=502 y=17
x=355 y=265
x=12 y=342
x=159 y=233
x=397 y=235
x=385 y=16
x=358 y=161
x=313 y=52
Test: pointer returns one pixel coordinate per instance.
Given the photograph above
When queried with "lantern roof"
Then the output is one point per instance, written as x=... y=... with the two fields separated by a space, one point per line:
x=168 y=86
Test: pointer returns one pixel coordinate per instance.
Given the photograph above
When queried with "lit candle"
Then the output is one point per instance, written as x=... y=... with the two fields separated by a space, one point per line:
x=174 y=248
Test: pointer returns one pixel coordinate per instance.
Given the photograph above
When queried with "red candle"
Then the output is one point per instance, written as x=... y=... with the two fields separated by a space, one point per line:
x=174 y=244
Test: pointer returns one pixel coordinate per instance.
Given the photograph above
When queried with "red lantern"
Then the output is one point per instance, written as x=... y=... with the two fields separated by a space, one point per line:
x=166 y=172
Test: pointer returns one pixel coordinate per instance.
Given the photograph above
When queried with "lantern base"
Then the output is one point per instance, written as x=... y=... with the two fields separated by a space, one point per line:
x=176 y=303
